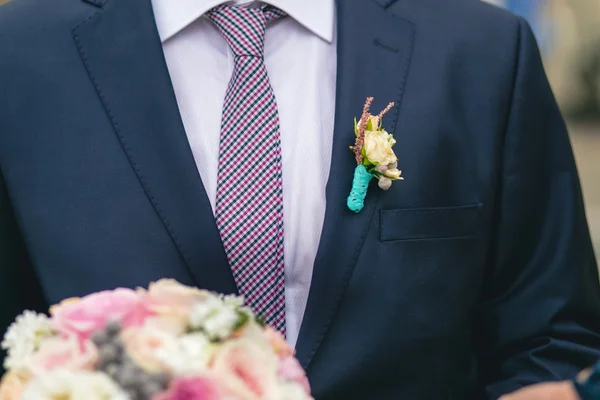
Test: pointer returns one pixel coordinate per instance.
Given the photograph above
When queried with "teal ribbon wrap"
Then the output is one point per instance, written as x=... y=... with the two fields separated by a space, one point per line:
x=360 y=184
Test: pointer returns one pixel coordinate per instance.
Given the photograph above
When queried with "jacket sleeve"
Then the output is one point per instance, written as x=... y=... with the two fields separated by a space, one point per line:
x=539 y=316
x=19 y=287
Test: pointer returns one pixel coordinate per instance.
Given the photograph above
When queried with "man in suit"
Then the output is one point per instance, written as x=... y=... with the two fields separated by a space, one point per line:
x=144 y=139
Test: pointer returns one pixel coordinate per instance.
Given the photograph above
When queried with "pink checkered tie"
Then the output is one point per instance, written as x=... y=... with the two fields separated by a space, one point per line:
x=249 y=207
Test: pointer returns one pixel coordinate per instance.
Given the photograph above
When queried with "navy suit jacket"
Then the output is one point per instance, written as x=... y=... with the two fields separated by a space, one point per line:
x=471 y=278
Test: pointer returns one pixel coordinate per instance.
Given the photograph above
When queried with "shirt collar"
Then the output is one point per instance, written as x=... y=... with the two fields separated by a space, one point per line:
x=174 y=15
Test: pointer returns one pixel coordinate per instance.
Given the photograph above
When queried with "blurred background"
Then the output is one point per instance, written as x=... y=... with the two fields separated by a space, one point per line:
x=568 y=32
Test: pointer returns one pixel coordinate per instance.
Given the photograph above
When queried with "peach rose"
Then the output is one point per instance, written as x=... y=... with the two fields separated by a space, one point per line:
x=91 y=313
x=141 y=345
x=12 y=386
x=167 y=296
x=67 y=384
x=64 y=303
x=174 y=324
x=64 y=353
x=290 y=369
x=246 y=370
x=278 y=342
x=545 y=391
x=191 y=389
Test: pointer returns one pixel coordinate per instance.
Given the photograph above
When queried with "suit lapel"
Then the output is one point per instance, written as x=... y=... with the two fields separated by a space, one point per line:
x=374 y=50
x=121 y=50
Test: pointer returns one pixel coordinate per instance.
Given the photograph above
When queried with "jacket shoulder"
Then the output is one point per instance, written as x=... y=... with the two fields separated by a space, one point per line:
x=465 y=20
x=473 y=24
x=457 y=10
x=35 y=34
x=27 y=22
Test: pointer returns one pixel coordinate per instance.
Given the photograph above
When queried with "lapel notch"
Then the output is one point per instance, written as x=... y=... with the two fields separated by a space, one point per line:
x=97 y=3
x=122 y=53
x=385 y=3
x=374 y=49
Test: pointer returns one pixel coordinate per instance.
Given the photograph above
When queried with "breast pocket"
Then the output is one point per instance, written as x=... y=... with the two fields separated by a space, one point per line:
x=431 y=261
x=430 y=223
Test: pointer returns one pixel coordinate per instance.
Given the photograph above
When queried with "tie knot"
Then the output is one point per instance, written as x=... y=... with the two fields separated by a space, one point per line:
x=244 y=28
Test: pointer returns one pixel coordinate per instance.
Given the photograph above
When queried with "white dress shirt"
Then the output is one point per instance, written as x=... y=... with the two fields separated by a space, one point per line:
x=300 y=56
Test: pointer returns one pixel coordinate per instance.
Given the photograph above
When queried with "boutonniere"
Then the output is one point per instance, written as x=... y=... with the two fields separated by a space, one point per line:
x=374 y=156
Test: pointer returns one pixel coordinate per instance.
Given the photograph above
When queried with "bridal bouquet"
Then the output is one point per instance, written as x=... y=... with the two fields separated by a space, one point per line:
x=169 y=342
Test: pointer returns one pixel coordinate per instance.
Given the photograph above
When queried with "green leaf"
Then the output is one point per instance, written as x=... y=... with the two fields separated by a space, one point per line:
x=355 y=127
x=242 y=320
x=373 y=171
x=366 y=161
x=369 y=125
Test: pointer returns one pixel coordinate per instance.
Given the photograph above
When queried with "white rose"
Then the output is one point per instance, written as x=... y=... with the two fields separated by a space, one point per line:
x=187 y=355
x=216 y=317
x=378 y=147
x=23 y=339
x=220 y=325
x=73 y=385
x=292 y=391
x=393 y=174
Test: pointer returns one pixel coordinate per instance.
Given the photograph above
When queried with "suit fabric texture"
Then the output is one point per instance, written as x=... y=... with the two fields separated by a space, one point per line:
x=471 y=278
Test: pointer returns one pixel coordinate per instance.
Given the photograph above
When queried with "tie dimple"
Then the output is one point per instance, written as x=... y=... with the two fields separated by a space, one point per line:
x=249 y=204
x=244 y=28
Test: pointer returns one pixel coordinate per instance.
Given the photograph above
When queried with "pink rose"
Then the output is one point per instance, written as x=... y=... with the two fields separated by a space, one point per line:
x=246 y=370
x=290 y=368
x=64 y=353
x=167 y=296
x=84 y=316
x=191 y=389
